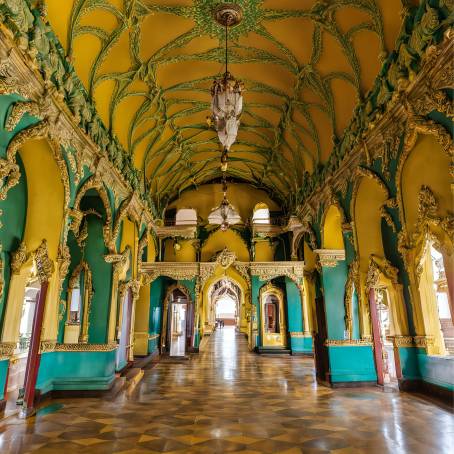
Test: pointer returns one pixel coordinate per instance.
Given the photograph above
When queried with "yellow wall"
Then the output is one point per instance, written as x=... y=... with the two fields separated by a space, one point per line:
x=45 y=196
x=242 y=196
x=264 y=251
x=220 y=240
x=427 y=165
x=369 y=199
x=186 y=253
x=309 y=257
x=45 y=210
x=332 y=229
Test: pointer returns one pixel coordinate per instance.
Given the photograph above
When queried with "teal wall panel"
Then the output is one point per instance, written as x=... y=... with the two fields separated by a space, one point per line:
x=294 y=310
x=438 y=370
x=76 y=371
x=256 y=283
x=409 y=363
x=301 y=344
x=355 y=319
x=102 y=281
x=334 y=287
x=352 y=364
x=3 y=374
x=153 y=344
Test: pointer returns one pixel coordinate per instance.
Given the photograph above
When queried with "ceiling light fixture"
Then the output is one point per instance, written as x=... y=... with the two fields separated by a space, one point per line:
x=226 y=93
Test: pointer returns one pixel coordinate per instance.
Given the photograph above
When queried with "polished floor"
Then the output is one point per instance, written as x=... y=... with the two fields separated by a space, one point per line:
x=229 y=400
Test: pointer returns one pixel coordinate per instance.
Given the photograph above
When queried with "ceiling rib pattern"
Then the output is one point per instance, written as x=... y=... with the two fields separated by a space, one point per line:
x=149 y=65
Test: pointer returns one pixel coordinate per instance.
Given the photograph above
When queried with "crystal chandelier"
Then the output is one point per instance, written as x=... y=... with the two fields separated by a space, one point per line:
x=226 y=107
x=225 y=214
x=226 y=92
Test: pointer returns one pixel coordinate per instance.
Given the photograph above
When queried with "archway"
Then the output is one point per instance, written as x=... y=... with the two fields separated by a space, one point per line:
x=225 y=298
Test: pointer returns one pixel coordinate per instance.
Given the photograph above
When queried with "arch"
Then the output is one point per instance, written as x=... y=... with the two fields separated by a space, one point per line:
x=186 y=216
x=234 y=292
x=236 y=277
x=95 y=183
x=219 y=240
x=76 y=331
x=273 y=329
x=332 y=229
x=425 y=200
x=261 y=214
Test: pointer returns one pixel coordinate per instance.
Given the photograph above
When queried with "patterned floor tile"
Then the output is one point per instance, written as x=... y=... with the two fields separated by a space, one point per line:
x=227 y=399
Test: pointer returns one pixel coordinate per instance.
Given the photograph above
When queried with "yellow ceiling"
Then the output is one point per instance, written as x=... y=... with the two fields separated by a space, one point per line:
x=149 y=65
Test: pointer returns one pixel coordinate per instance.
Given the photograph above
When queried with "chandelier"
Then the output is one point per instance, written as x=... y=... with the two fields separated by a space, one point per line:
x=225 y=214
x=226 y=107
x=226 y=92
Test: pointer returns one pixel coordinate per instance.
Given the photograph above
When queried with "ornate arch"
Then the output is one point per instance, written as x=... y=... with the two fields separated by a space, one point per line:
x=88 y=288
x=76 y=214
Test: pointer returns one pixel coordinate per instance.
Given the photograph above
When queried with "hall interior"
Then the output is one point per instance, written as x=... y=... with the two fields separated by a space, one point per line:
x=239 y=213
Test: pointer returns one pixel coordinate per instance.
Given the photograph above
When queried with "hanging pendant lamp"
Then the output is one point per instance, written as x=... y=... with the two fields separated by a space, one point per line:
x=226 y=92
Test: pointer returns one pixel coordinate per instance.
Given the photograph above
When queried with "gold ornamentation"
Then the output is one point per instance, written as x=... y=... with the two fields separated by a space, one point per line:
x=299 y=334
x=226 y=258
x=7 y=349
x=379 y=266
x=330 y=257
x=63 y=262
x=347 y=342
x=175 y=270
x=401 y=341
x=352 y=278
x=83 y=347
x=18 y=258
x=44 y=265
x=388 y=219
x=95 y=183
x=121 y=213
x=18 y=110
x=424 y=341
x=270 y=270
x=9 y=169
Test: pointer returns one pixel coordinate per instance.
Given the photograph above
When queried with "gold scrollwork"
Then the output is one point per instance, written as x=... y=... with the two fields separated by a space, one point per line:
x=44 y=265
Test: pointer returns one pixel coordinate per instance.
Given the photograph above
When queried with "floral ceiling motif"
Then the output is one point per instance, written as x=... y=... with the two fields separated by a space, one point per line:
x=148 y=66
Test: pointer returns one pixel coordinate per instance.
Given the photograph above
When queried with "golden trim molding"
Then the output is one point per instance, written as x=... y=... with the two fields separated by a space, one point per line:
x=50 y=346
x=329 y=258
x=6 y=350
x=299 y=334
x=348 y=343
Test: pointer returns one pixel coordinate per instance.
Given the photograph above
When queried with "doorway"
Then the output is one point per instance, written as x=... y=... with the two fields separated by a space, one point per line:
x=224 y=304
x=177 y=324
x=124 y=339
x=18 y=364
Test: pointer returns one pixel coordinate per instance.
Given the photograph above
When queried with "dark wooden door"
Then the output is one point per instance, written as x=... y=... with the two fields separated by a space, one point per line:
x=320 y=349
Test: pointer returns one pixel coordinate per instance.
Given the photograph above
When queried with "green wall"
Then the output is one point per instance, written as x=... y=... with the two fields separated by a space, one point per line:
x=351 y=364
x=76 y=371
x=334 y=280
x=3 y=374
x=102 y=281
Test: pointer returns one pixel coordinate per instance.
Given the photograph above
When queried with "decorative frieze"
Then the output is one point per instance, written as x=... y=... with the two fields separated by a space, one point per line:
x=7 y=350
x=329 y=258
x=49 y=346
x=401 y=341
x=348 y=343
x=299 y=334
x=270 y=270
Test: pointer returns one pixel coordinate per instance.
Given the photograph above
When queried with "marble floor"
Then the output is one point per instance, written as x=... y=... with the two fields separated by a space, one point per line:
x=229 y=400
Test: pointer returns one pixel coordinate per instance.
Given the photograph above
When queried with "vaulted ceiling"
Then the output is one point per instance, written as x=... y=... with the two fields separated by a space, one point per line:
x=149 y=64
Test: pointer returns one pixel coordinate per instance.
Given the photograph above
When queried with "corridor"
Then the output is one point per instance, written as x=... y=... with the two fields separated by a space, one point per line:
x=229 y=400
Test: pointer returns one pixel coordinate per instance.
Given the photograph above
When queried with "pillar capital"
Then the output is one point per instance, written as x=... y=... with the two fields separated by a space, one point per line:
x=330 y=257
